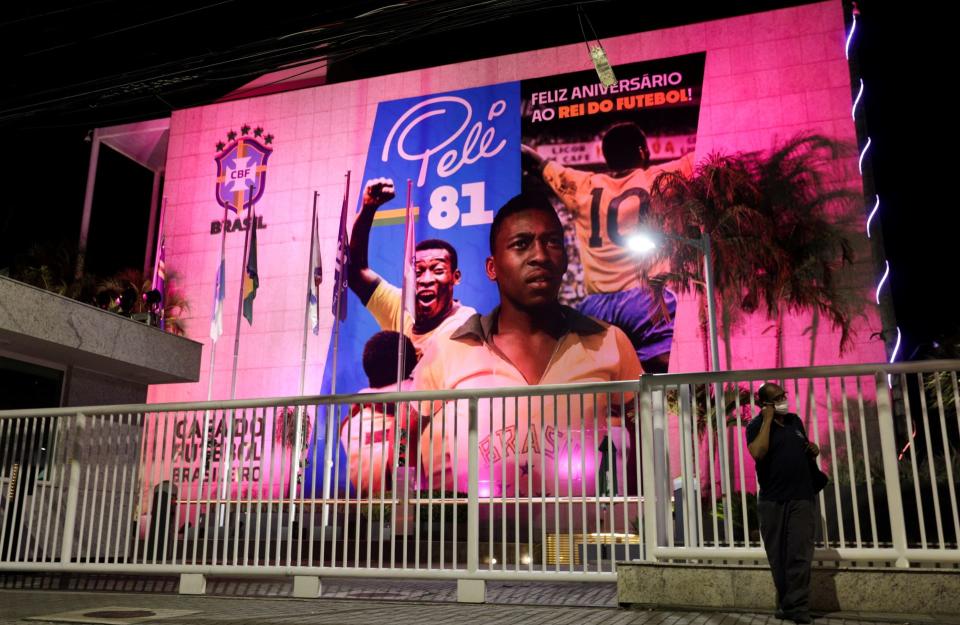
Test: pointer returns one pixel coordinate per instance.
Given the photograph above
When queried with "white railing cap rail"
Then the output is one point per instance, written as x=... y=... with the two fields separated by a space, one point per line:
x=663 y=379
x=546 y=390
x=791 y=373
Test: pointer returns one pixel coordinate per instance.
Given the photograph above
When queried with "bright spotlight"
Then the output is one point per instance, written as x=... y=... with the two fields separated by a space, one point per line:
x=641 y=243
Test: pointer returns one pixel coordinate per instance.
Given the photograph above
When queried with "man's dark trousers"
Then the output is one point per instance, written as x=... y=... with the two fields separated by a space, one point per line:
x=788 y=529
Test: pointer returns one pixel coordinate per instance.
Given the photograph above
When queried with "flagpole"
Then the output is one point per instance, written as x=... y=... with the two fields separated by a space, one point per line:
x=228 y=441
x=306 y=313
x=213 y=342
x=213 y=359
x=243 y=274
x=402 y=344
x=227 y=445
x=298 y=437
x=339 y=292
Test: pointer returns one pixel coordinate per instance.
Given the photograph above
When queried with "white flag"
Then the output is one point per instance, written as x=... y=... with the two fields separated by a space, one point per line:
x=316 y=270
x=216 y=321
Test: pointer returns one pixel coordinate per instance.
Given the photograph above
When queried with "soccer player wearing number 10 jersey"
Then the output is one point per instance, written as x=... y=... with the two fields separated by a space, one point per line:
x=606 y=208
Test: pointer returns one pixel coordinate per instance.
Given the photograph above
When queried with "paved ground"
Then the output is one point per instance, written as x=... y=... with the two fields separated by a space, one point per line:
x=570 y=594
x=356 y=602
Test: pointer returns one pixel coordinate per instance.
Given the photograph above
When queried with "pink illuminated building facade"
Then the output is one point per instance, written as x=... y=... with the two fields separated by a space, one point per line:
x=740 y=84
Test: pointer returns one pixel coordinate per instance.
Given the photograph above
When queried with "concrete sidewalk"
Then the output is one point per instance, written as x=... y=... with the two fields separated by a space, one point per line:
x=18 y=605
x=581 y=594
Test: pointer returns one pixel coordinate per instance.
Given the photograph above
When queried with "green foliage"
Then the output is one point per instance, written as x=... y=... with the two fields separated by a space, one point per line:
x=778 y=227
x=736 y=400
x=175 y=305
x=285 y=427
x=51 y=267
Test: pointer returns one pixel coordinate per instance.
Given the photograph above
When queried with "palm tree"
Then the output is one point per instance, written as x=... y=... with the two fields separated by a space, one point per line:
x=175 y=305
x=720 y=200
x=778 y=234
x=777 y=231
x=810 y=219
x=50 y=266
x=126 y=279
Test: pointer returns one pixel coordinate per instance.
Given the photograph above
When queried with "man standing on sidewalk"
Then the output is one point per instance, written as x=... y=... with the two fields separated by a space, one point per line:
x=779 y=445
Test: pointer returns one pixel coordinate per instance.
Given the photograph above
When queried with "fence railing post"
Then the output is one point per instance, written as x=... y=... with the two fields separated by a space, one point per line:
x=327 y=469
x=472 y=590
x=294 y=482
x=647 y=469
x=891 y=472
x=689 y=480
x=73 y=489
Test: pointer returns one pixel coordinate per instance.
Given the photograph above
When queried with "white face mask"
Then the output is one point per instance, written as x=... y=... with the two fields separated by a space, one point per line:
x=781 y=407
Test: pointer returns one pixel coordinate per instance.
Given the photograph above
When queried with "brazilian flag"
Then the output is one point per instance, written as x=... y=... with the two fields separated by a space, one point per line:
x=251 y=280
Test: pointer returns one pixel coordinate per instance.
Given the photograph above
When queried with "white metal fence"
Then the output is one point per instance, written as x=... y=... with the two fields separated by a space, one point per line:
x=554 y=482
x=889 y=438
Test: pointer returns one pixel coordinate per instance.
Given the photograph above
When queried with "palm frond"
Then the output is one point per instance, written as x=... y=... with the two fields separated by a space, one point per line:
x=778 y=224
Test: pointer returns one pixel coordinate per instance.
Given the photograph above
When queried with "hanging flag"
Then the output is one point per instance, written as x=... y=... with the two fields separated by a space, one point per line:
x=251 y=280
x=161 y=277
x=316 y=270
x=216 y=321
x=160 y=280
x=340 y=270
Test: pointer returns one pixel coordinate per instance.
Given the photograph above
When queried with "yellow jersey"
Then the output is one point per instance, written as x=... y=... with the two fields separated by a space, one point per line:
x=606 y=211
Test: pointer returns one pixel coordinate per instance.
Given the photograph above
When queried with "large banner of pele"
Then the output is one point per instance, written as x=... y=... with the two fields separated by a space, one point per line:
x=465 y=139
x=463 y=155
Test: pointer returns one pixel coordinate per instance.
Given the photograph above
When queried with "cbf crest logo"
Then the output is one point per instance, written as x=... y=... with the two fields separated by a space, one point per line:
x=242 y=168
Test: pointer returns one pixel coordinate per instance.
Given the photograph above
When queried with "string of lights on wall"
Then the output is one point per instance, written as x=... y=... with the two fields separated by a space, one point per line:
x=855 y=12
x=854 y=111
